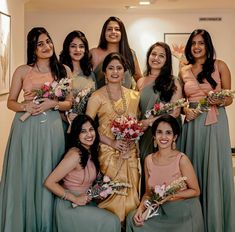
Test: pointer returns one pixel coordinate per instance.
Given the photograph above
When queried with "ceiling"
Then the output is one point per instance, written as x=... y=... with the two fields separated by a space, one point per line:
x=121 y=5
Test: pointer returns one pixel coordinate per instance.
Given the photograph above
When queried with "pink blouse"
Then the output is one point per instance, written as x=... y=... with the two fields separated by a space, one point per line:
x=163 y=174
x=34 y=80
x=80 y=181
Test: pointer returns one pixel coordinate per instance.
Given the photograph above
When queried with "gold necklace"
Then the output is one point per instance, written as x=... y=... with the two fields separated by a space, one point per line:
x=118 y=112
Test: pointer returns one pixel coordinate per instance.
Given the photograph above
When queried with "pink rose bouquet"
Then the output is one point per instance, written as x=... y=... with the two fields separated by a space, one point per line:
x=159 y=195
x=54 y=90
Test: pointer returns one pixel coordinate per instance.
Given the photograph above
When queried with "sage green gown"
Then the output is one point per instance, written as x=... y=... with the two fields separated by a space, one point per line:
x=86 y=218
x=147 y=100
x=34 y=148
x=206 y=142
x=181 y=215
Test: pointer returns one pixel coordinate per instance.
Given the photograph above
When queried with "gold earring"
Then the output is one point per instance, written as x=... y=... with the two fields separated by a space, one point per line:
x=106 y=81
x=123 y=80
x=155 y=144
x=173 y=146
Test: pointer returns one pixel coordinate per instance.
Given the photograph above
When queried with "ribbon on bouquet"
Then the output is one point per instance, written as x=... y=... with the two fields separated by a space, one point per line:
x=151 y=210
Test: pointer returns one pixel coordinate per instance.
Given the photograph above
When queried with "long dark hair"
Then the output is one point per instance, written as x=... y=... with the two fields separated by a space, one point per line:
x=164 y=83
x=167 y=119
x=208 y=67
x=124 y=47
x=73 y=140
x=65 y=58
x=57 y=69
x=113 y=56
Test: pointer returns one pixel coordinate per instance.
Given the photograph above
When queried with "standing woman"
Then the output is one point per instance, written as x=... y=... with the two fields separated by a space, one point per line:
x=158 y=86
x=36 y=145
x=73 y=177
x=205 y=136
x=75 y=55
x=113 y=38
x=107 y=103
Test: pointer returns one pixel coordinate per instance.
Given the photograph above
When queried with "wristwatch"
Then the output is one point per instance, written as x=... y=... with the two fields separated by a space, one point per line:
x=57 y=106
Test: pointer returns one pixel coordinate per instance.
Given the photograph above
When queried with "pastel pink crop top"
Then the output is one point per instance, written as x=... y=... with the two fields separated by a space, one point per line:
x=80 y=181
x=34 y=80
x=163 y=174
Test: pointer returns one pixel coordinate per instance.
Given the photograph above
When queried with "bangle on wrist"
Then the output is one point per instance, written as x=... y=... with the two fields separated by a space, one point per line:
x=64 y=197
x=24 y=107
x=57 y=106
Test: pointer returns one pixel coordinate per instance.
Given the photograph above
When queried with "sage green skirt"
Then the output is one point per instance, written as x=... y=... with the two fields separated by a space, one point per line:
x=34 y=149
x=88 y=218
x=177 y=216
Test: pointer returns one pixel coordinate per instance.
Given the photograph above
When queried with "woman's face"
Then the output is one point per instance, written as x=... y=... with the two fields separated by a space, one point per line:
x=76 y=49
x=198 y=48
x=87 y=135
x=114 y=72
x=157 y=58
x=112 y=32
x=44 y=48
x=164 y=135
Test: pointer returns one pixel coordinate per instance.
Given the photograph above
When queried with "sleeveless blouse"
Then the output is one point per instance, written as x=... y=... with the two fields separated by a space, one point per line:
x=163 y=174
x=80 y=180
x=34 y=80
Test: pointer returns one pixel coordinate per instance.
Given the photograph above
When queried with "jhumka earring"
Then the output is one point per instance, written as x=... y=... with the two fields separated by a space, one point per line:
x=155 y=144
x=123 y=80
x=106 y=81
x=173 y=146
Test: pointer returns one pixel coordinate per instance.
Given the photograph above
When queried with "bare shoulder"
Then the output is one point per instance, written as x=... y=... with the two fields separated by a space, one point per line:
x=221 y=64
x=23 y=69
x=68 y=70
x=139 y=83
x=184 y=160
x=73 y=154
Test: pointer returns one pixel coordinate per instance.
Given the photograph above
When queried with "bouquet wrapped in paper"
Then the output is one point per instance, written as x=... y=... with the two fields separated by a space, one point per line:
x=54 y=90
x=160 y=109
x=104 y=186
x=80 y=99
x=127 y=128
x=204 y=105
x=159 y=194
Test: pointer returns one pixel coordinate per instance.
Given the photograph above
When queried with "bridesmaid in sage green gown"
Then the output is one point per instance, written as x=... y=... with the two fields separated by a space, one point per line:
x=74 y=210
x=180 y=212
x=113 y=38
x=205 y=135
x=36 y=145
x=75 y=54
x=158 y=86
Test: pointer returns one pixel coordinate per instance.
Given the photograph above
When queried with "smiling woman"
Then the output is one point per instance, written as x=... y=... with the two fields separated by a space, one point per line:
x=107 y=103
x=113 y=38
x=36 y=145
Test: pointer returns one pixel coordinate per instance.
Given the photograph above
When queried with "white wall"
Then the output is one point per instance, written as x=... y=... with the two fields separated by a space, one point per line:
x=14 y=8
x=143 y=29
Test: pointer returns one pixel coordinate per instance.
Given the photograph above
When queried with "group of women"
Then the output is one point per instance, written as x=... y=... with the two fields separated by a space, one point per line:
x=45 y=181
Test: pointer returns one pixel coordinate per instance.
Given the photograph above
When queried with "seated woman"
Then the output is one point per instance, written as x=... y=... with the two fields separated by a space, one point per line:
x=178 y=212
x=72 y=178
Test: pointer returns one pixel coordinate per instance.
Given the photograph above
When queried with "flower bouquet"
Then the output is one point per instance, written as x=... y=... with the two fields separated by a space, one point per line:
x=160 y=194
x=103 y=187
x=128 y=129
x=49 y=90
x=80 y=99
x=204 y=105
x=160 y=109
